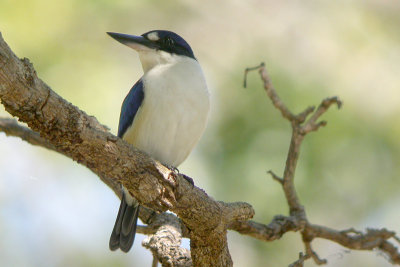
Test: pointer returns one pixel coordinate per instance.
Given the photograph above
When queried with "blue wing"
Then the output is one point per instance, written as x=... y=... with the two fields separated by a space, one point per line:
x=130 y=107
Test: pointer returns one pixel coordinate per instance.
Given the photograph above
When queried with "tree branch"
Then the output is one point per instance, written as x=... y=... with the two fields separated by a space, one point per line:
x=372 y=239
x=274 y=230
x=166 y=241
x=81 y=137
x=11 y=128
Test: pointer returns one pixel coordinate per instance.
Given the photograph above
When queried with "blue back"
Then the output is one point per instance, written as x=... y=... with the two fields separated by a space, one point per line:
x=130 y=107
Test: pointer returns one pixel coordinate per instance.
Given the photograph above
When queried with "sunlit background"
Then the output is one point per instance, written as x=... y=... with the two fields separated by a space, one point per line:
x=54 y=212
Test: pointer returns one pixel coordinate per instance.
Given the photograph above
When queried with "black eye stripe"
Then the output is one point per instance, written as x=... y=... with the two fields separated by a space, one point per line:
x=170 y=42
x=167 y=42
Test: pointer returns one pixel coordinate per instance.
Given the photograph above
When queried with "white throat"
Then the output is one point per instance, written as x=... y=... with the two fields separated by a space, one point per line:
x=152 y=58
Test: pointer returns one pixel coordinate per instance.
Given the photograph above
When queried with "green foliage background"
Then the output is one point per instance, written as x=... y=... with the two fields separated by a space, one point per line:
x=348 y=173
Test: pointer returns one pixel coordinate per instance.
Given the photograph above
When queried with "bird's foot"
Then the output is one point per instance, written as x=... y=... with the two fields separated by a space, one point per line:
x=172 y=168
x=176 y=171
x=187 y=178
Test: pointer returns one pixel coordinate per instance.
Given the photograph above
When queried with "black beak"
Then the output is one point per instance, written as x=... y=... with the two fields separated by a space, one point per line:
x=133 y=41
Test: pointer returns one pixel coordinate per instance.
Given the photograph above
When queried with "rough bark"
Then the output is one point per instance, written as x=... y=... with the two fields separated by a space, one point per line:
x=165 y=243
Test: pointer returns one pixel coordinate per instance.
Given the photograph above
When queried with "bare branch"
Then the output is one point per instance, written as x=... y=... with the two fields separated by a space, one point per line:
x=311 y=254
x=372 y=239
x=324 y=106
x=353 y=239
x=273 y=231
x=270 y=90
x=300 y=261
x=303 y=115
x=311 y=124
x=276 y=177
x=11 y=128
x=247 y=70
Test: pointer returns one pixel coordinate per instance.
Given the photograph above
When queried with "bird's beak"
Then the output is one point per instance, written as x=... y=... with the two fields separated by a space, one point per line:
x=136 y=42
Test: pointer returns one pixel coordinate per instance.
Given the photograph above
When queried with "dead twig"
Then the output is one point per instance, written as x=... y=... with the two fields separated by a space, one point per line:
x=351 y=238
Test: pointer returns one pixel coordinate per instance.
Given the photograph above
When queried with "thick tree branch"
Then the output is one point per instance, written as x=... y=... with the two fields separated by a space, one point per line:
x=274 y=230
x=82 y=138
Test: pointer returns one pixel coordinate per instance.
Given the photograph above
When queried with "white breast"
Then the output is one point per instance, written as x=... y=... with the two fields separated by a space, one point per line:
x=174 y=111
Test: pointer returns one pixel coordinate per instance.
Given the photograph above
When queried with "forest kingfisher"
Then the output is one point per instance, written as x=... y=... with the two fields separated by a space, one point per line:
x=164 y=114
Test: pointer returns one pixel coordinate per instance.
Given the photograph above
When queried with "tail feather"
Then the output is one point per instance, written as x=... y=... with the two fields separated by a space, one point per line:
x=124 y=230
x=129 y=228
x=114 y=239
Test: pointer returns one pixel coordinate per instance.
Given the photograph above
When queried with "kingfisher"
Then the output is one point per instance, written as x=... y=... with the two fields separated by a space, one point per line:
x=164 y=114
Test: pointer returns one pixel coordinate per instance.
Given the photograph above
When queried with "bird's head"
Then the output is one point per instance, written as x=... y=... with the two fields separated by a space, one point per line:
x=156 y=47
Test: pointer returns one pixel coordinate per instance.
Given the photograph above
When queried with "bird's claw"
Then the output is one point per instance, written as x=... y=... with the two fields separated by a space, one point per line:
x=172 y=168
x=187 y=178
x=176 y=171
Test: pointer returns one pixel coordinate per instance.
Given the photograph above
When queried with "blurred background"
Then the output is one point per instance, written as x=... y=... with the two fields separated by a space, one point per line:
x=54 y=212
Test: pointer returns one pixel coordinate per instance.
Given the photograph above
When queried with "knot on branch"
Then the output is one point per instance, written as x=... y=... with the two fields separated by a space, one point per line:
x=237 y=211
x=281 y=224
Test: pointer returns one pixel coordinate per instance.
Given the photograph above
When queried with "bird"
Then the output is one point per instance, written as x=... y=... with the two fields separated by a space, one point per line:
x=164 y=114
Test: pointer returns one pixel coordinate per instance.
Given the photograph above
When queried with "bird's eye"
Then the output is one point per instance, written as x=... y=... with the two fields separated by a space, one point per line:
x=168 y=42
